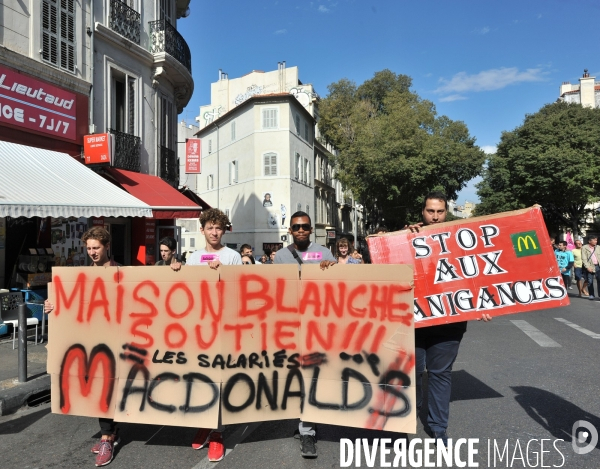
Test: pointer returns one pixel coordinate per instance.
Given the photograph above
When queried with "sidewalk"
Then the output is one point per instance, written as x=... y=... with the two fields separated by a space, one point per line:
x=14 y=395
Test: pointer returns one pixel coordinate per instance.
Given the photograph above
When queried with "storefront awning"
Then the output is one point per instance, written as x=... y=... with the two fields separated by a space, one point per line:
x=165 y=201
x=43 y=183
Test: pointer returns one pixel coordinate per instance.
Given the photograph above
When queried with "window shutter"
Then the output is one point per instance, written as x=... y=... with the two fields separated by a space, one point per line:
x=50 y=31
x=299 y=207
x=297 y=124
x=67 y=35
x=230 y=172
x=297 y=169
x=235 y=166
x=273 y=164
x=233 y=130
x=266 y=165
x=306 y=131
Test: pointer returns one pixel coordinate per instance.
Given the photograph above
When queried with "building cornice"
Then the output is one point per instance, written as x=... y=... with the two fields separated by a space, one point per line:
x=43 y=71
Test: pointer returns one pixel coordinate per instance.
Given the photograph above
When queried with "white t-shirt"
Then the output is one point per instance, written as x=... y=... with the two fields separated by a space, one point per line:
x=226 y=255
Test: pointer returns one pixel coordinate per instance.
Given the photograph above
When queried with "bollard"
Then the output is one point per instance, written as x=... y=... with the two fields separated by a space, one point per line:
x=22 y=343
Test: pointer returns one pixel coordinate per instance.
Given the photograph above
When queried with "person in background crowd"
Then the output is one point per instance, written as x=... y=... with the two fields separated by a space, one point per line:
x=168 y=251
x=578 y=266
x=272 y=257
x=246 y=259
x=344 y=252
x=436 y=347
x=358 y=256
x=302 y=251
x=264 y=259
x=213 y=225
x=97 y=241
x=382 y=229
x=590 y=259
x=565 y=260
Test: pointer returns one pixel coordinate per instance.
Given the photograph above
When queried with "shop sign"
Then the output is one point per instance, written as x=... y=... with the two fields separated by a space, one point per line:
x=331 y=234
x=192 y=156
x=36 y=105
x=97 y=148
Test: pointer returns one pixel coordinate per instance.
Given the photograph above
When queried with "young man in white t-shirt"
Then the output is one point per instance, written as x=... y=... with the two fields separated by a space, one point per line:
x=214 y=223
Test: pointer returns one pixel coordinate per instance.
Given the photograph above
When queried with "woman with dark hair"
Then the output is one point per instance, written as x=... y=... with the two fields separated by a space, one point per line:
x=344 y=251
x=168 y=251
x=246 y=260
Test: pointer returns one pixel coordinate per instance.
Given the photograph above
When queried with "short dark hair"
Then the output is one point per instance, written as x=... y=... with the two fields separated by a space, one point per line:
x=244 y=246
x=169 y=242
x=383 y=229
x=562 y=242
x=592 y=237
x=300 y=214
x=437 y=195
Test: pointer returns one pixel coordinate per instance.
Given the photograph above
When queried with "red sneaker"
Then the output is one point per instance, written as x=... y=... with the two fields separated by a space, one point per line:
x=105 y=453
x=216 y=448
x=201 y=438
x=96 y=447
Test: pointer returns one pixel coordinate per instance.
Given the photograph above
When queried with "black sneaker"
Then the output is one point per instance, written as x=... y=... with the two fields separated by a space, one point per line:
x=307 y=446
x=441 y=436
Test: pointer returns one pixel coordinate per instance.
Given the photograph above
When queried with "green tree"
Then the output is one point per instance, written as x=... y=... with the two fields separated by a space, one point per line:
x=553 y=160
x=392 y=146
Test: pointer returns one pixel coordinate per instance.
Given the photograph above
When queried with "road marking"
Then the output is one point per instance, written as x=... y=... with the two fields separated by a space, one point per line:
x=238 y=436
x=538 y=336
x=593 y=335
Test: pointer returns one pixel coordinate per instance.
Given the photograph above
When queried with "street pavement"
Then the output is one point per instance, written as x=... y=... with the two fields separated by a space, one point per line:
x=517 y=380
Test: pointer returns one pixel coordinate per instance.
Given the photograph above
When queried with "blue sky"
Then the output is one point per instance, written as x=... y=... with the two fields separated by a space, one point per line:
x=486 y=63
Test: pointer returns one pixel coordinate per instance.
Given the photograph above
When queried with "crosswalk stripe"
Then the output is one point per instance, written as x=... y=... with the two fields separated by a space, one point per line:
x=538 y=336
x=592 y=334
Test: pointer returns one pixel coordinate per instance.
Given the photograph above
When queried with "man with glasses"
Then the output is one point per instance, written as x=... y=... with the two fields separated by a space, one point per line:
x=302 y=251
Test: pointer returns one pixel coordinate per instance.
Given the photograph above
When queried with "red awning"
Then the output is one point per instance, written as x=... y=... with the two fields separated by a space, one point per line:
x=165 y=201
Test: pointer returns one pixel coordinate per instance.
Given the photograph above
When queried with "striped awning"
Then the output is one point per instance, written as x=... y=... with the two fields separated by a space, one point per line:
x=43 y=183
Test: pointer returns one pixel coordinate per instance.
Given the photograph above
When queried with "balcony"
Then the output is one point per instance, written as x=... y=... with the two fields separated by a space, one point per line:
x=169 y=166
x=125 y=21
x=127 y=151
x=165 y=38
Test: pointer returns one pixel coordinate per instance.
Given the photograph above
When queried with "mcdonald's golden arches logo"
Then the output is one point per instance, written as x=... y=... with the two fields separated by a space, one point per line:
x=526 y=243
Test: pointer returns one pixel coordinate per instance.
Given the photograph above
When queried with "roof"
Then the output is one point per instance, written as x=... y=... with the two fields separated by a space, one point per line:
x=165 y=201
x=253 y=100
x=44 y=183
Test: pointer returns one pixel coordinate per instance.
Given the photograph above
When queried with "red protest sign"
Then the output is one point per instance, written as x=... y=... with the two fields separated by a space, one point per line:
x=192 y=156
x=498 y=264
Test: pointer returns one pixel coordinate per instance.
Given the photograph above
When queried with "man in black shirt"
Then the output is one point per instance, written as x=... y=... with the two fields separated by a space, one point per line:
x=436 y=347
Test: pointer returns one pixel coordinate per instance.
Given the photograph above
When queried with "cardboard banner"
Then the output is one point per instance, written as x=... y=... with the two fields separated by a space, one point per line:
x=150 y=345
x=498 y=264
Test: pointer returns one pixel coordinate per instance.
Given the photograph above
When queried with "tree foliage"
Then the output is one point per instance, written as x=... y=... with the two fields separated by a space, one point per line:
x=553 y=160
x=393 y=148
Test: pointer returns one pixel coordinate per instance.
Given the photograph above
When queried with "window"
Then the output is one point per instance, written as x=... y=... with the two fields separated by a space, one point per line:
x=58 y=33
x=227 y=212
x=209 y=146
x=297 y=119
x=124 y=102
x=308 y=209
x=210 y=182
x=306 y=131
x=166 y=10
x=233 y=130
x=297 y=168
x=182 y=242
x=299 y=207
x=167 y=120
x=233 y=171
x=304 y=162
x=270 y=119
x=270 y=164
x=307 y=171
x=192 y=242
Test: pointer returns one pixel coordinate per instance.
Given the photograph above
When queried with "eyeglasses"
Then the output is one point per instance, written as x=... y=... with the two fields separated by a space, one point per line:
x=304 y=226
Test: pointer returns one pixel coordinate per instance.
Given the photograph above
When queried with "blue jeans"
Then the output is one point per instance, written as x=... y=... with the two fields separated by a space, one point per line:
x=438 y=355
x=589 y=278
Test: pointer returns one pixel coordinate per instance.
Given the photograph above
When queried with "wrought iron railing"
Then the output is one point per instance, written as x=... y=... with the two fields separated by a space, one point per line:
x=169 y=166
x=127 y=151
x=165 y=38
x=125 y=21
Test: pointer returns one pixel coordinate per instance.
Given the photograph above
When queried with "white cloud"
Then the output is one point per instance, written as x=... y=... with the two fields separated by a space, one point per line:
x=488 y=80
x=482 y=31
x=323 y=9
x=452 y=97
x=280 y=31
x=489 y=149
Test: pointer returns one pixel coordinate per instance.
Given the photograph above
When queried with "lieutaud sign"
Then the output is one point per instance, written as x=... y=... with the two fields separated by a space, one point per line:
x=498 y=264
